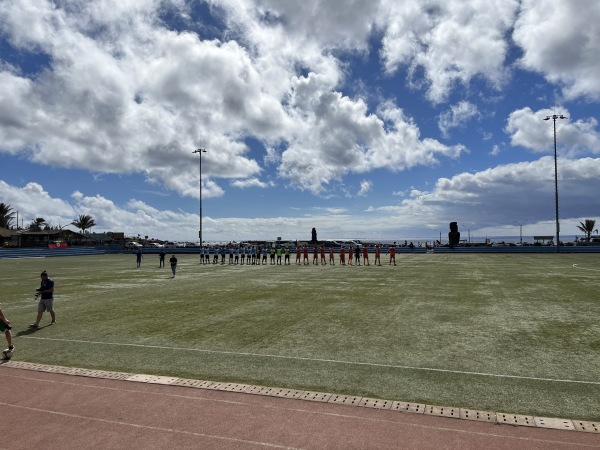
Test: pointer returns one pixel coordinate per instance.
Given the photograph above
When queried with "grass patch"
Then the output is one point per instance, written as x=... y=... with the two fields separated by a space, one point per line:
x=487 y=331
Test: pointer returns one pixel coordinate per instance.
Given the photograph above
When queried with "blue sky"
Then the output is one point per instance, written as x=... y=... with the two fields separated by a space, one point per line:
x=378 y=119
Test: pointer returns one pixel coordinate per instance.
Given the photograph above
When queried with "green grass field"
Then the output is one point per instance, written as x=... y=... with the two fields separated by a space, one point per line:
x=513 y=333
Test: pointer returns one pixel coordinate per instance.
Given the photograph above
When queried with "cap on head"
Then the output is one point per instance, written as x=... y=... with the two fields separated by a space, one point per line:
x=44 y=274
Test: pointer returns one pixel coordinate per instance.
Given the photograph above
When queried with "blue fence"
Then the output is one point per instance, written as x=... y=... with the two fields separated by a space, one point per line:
x=103 y=250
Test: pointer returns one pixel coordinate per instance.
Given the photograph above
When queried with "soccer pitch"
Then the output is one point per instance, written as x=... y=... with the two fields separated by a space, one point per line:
x=518 y=333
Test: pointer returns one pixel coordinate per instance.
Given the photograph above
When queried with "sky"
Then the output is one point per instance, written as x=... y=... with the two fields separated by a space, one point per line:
x=378 y=119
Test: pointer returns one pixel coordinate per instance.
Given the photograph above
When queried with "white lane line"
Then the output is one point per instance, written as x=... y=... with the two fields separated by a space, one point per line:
x=332 y=361
x=147 y=427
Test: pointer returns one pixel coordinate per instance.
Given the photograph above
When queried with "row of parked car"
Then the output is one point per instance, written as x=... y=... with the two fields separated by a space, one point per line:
x=133 y=245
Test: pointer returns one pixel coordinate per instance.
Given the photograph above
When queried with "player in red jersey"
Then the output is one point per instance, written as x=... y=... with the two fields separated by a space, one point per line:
x=392 y=252
x=377 y=255
x=350 y=254
x=305 y=261
x=366 y=255
x=331 y=256
x=316 y=255
x=323 y=255
x=298 y=252
x=342 y=255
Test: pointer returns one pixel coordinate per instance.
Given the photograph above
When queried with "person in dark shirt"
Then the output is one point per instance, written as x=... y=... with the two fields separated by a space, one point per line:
x=46 y=303
x=173 y=262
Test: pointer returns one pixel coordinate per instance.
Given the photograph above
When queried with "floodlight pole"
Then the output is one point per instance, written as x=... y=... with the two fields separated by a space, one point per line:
x=200 y=151
x=521 y=229
x=554 y=117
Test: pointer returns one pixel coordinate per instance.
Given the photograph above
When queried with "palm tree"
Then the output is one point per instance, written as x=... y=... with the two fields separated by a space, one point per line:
x=587 y=227
x=6 y=215
x=84 y=222
x=37 y=224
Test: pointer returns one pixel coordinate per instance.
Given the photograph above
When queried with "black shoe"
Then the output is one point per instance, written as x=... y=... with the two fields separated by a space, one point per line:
x=34 y=325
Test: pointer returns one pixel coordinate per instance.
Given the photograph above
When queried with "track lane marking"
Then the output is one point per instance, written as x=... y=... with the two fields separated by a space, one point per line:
x=298 y=410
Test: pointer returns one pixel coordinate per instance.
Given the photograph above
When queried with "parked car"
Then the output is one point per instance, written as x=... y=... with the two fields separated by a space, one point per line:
x=132 y=245
x=154 y=245
x=170 y=245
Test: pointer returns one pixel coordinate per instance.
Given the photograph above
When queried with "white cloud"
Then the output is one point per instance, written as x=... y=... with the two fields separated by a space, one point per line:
x=527 y=128
x=365 y=188
x=123 y=94
x=457 y=116
x=252 y=182
x=450 y=41
x=561 y=40
x=509 y=192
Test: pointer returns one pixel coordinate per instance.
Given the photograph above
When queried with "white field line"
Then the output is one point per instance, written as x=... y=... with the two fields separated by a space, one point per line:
x=333 y=361
x=576 y=266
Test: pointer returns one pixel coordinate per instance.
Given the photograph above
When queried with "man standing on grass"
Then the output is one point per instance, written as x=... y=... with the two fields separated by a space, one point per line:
x=46 y=303
x=161 y=261
x=173 y=262
x=138 y=258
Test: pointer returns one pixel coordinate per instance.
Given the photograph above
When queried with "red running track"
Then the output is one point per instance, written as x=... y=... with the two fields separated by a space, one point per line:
x=57 y=411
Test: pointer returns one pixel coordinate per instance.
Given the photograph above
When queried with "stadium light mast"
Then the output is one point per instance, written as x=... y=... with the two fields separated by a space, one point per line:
x=521 y=229
x=554 y=117
x=200 y=151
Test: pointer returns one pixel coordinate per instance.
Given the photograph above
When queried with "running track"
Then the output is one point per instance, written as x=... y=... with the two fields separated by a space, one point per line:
x=50 y=410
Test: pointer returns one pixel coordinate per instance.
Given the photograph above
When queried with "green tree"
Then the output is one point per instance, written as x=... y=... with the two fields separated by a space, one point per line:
x=37 y=224
x=587 y=227
x=84 y=222
x=6 y=215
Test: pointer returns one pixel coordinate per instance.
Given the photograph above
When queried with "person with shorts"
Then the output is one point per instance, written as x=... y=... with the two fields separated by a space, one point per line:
x=305 y=259
x=138 y=258
x=173 y=262
x=161 y=260
x=392 y=252
x=342 y=255
x=377 y=255
x=298 y=253
x=264 y=256
x=316 y=255
x=5 y=328
x=286 y=256
x=366 y=255
x=323 y=255
x=357 y=255
x=46 y=303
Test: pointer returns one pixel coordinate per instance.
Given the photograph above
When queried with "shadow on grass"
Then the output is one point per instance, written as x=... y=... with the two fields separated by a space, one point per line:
x=28 y=331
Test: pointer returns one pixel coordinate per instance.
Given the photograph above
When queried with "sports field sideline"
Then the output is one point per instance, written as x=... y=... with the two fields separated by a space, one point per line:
x=515 y=333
